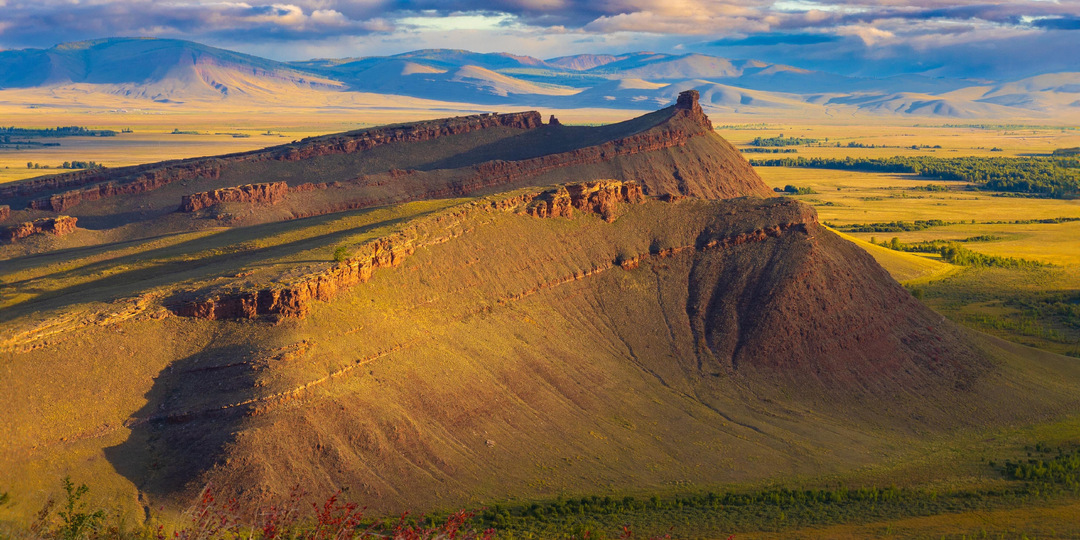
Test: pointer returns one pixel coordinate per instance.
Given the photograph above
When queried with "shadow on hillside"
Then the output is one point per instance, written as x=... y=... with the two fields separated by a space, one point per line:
x=548 y=140
x=189 y=417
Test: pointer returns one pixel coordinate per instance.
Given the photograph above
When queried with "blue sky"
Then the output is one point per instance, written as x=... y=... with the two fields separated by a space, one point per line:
x=996 y=40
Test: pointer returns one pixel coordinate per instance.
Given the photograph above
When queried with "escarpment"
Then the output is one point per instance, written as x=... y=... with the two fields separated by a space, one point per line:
x=482 y=312
x=143 y=181
x=672 y=152
x=249 y=193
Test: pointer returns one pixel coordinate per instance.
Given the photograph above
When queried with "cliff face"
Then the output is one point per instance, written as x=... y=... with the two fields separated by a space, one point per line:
x=687 y=105
x=251 y=193
x=58 y=226
x=596 y=197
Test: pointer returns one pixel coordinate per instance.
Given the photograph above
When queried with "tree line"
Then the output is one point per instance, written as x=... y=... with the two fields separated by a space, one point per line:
x=66 y=131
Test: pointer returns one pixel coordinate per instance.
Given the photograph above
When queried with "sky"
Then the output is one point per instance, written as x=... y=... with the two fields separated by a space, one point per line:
x=968 y=38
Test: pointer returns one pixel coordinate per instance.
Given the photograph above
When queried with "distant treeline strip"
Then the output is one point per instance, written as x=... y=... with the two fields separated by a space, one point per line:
x=1051 y=177
x=769 y=151
x=954 y=253
x=68 y=131
x=781 y=140
x=919 y=225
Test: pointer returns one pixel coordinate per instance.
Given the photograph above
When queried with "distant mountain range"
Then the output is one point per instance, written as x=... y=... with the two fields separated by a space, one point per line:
x=173 y=71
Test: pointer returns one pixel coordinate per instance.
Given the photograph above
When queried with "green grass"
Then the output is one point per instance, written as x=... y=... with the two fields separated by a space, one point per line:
x=1039 y=307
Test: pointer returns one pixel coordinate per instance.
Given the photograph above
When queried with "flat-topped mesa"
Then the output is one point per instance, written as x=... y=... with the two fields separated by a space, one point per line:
x=688 y=105
x=269 y=193
x=673 y=152
x=58 y=226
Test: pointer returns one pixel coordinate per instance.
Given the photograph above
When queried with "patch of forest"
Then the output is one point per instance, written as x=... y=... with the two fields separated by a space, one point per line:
x=781 y=140
x=65 y=131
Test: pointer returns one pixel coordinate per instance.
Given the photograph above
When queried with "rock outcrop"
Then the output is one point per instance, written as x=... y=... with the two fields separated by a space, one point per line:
x=688 y=106
x=601 y=197
x=271 y=193
x=5 y=212
x=58 y=226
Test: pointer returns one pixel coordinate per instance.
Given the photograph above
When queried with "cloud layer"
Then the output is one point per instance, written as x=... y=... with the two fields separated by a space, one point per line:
x=856 y=36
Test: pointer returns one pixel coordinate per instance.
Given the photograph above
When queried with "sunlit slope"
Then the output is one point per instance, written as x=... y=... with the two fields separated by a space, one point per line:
x=685 y=343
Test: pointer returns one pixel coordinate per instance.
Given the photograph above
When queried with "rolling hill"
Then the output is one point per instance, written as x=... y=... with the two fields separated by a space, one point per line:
x=155 y=70
x=171 y=71
x=461 y=311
